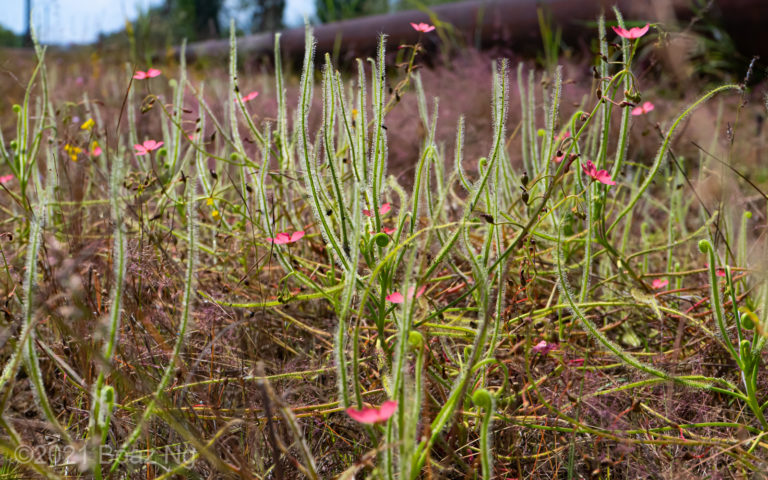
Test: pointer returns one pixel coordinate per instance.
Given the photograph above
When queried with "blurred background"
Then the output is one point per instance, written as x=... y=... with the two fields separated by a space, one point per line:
x=729 y=30
x=66 y=22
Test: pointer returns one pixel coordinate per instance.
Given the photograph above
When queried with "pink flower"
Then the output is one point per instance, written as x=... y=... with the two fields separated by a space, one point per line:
x=719 y=271
x=632 y=33
x=388 y=231
x=643 y=109
x=283 y=238
x=5 y=179
x=659 y=283
x=373 y=414
x=543 y=347
x=151 y=73
x=385 y=207
x=422 y=27
x=601 y=176
x=559 y=158
x=147 y=146
x=397 y=297
x=250 y=96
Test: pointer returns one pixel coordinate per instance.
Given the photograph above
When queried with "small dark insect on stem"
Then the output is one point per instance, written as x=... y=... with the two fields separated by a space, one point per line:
x=488 y=218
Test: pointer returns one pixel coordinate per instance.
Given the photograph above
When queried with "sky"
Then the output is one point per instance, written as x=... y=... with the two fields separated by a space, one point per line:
x=80 y=21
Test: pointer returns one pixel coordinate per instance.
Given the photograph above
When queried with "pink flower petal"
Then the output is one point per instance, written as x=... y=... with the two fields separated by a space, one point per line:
x=659 y=283
x=96 y=151
x=603 y=176
x=543 y=347
x=140 y=150
x=647 y=107
x=387 y=409
x=419 y=293
x=5 y=179
x=638 y=32
x=589 y=168
x=422 y=27
x=720 y=272
x=632 y=33
x=283 y=237
x=643 y=109
x=622 y=32
x=152 y=145
x=395 y=297
x=153 y=72
x=367 y=213
x=366 y=415
x=139 y=75
x=385 y=208
x=250 y=96
x=388 y=231
x=373 y=415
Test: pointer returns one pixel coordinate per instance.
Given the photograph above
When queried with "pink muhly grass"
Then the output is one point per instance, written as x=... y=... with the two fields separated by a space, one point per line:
x=371 y=415
x=632 y=33
x=283 y=238
x=147 y=146
x=151 y=73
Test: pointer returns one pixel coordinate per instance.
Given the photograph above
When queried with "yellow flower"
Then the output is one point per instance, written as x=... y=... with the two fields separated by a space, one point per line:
x=209 y=201
x=354 y=112
x=215 y=213
x=88 y=124
x=72 y=151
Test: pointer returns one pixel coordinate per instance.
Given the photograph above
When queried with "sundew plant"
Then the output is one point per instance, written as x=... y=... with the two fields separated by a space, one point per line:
x=191 y=290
